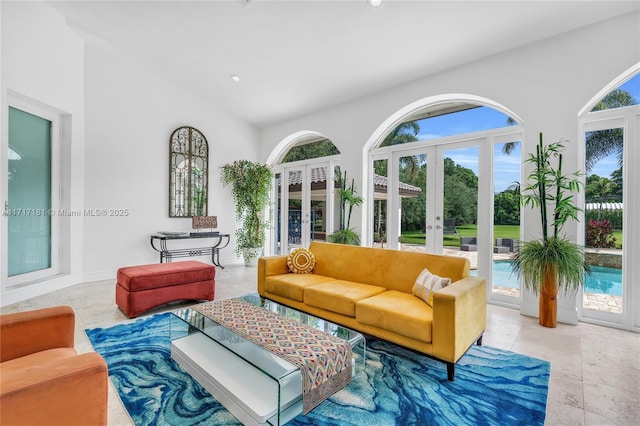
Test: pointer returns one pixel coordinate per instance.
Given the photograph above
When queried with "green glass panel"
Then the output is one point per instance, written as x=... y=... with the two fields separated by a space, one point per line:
x=29 y=220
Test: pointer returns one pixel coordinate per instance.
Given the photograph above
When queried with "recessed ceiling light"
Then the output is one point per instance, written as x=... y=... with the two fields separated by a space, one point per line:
x=375 y=3
x=234 y=77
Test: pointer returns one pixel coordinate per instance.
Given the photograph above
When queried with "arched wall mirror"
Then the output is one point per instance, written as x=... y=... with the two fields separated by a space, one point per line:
x=188 y=173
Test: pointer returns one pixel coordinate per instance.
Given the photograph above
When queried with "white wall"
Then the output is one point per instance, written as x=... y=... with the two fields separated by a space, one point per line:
x=545 y=83
x=131 y=112
x=45 y=67
x=118 y=153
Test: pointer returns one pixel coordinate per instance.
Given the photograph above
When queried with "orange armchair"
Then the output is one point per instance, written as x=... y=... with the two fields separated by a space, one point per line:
x=42 y=378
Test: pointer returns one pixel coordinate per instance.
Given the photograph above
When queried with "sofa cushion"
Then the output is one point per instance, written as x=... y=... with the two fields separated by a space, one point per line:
x=427 y=283
x=339 y=296
x=399 y=312
x=301 y=261
x=292 y=286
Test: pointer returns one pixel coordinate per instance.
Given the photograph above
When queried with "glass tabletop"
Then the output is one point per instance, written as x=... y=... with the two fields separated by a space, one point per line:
x=259 y=357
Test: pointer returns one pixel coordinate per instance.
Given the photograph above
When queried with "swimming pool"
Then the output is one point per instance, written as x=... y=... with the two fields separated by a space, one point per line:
x=602 y=280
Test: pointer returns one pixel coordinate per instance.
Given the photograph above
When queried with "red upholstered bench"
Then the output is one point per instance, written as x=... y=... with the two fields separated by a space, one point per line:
x=140 y=288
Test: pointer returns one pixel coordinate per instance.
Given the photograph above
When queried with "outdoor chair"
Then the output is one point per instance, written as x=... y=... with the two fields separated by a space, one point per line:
x=468 y=244
x=449 y=227
x=505 y=245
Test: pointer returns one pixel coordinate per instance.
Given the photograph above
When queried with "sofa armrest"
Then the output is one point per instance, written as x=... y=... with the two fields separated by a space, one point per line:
x=268 y=266
x=69 y=391
x=459 y=317
x=24 y=333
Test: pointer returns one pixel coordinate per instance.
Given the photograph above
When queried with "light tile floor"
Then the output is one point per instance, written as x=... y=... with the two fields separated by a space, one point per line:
x=595 y=371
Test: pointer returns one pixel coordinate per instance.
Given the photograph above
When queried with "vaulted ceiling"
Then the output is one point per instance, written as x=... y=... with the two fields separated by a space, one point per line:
x=297 y=57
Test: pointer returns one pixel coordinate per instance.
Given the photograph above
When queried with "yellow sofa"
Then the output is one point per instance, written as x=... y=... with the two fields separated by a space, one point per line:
x=43 y=381
x=370 y=290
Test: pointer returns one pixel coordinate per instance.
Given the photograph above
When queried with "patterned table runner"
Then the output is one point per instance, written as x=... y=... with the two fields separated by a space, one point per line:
x=324 y=360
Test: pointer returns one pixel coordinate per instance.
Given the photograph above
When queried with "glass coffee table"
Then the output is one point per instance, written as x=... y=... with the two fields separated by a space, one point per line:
x=255 y=385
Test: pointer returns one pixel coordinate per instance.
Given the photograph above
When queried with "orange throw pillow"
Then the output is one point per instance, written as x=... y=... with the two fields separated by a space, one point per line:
x=301 y=261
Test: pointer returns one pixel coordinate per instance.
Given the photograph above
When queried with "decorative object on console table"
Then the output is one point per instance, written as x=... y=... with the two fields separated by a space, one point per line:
x=552 y=262
x=251 y=184
x=202 y=222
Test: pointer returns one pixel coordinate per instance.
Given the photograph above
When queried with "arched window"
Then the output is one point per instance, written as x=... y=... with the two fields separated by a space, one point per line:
x=451 y=164
x=310 y=150
x=305 y=177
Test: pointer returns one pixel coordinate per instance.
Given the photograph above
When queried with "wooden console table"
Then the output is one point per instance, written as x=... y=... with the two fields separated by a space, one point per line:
x=220 y=241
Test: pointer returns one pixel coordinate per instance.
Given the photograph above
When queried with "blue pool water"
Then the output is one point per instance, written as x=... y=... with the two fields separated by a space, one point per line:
x=602 y=280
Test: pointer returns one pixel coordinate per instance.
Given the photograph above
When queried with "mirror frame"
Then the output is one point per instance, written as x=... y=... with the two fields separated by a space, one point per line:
x=188 y=173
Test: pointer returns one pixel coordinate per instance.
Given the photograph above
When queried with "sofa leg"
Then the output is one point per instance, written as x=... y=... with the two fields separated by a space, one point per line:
x=479 y=342
x=451 y=371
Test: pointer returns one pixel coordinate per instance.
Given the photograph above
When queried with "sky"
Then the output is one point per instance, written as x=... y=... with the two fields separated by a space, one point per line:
x=506 y=167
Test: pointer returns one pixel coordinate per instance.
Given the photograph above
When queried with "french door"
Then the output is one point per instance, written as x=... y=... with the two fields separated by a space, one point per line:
x=32 y=200
x=429 y=204
x=443 y=202
x=611 y=294
x=304 y=205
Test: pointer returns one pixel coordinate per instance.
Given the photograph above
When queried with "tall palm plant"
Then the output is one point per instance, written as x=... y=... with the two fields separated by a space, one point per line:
x=348 y=199
x=551 y=262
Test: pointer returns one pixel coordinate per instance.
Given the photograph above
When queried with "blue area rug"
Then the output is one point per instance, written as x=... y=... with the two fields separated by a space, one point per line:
x=400 y=387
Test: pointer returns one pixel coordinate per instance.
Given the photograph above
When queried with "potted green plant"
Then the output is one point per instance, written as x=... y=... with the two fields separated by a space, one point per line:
x=250 y=184
x=348 y=199
x=551 y=263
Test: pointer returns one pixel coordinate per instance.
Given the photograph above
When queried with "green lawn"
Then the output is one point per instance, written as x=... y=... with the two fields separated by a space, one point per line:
x=499 y=231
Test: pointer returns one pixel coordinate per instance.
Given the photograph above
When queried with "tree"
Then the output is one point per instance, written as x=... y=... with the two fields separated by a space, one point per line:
x=460 y=201
x=507 y=206
x=598 y=189
x=318 y=149
x=617 y=98
x=413 y=211
x=616 y=178
x=509 y=147
x=402 y=134
x=602 y=143
x=460 y=192
x=410 y=170
x=405 y=133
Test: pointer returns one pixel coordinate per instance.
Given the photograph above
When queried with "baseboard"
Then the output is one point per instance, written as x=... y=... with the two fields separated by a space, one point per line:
x=109 y=274
x=26 y=291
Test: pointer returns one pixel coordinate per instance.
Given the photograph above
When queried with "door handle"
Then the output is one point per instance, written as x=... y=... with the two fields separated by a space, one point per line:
x=438 y=227
x=429 y=227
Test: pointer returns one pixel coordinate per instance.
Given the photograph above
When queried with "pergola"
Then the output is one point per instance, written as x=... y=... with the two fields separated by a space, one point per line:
x=319 y=185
